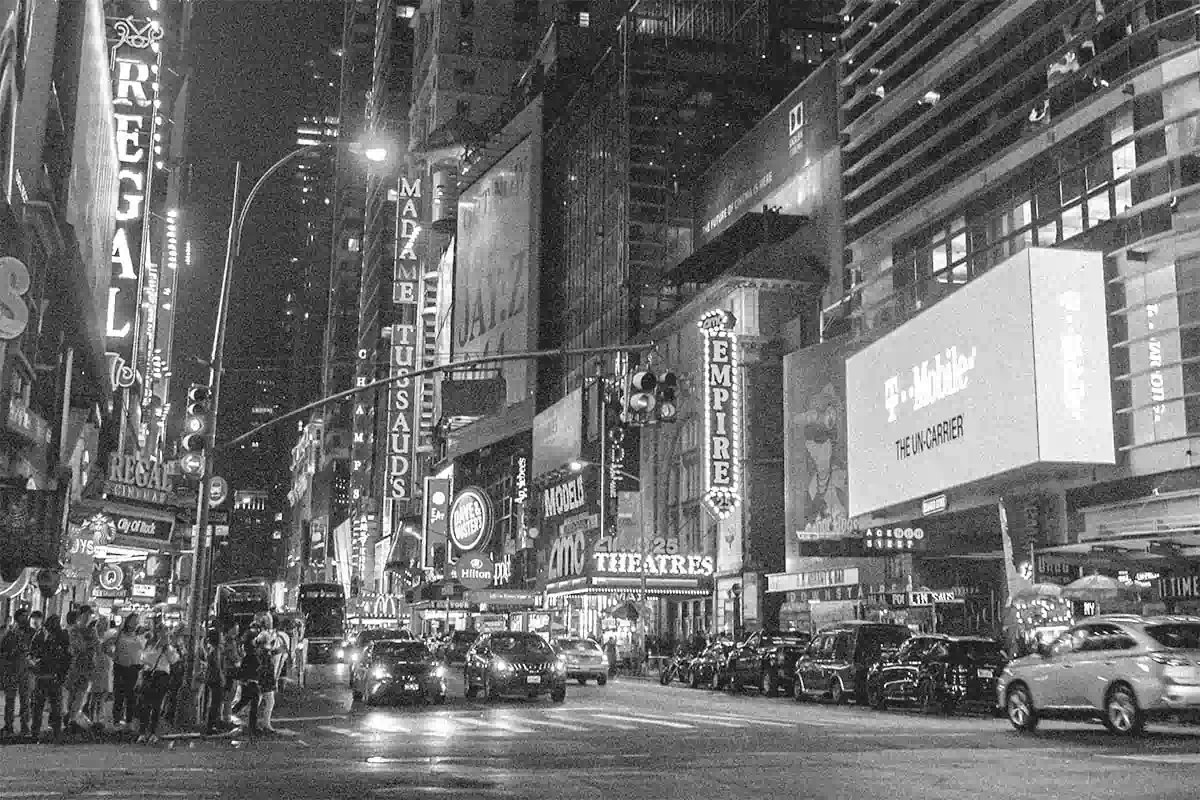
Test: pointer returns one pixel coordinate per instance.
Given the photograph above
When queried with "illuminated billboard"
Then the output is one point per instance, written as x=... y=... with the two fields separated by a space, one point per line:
x=403 y=408
x=497 y=268
x=1010 y=371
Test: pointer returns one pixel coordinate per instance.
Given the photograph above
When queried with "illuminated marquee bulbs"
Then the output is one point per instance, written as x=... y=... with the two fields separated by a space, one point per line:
x=722 y=413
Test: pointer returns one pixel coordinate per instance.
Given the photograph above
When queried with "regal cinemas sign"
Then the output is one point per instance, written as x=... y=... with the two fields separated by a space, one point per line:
x=135 y=477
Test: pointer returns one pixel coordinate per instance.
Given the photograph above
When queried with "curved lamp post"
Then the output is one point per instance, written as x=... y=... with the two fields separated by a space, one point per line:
x=201 y=569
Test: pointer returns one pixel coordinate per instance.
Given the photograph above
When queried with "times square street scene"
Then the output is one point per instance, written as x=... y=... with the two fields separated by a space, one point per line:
x=592 y=398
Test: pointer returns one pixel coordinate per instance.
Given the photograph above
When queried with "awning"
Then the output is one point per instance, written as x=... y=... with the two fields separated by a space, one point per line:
x=655 y=587
x=16 y=587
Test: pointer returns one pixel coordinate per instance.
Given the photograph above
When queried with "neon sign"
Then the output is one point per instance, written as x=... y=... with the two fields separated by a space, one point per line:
x=722 y=413
x=135 y=101
x=402 y=396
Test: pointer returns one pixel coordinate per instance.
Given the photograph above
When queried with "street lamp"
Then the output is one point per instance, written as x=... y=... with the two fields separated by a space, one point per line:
x=578 y=465
x=201 y=568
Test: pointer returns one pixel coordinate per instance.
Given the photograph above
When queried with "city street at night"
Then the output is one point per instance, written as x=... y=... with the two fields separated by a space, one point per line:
x=629 y=739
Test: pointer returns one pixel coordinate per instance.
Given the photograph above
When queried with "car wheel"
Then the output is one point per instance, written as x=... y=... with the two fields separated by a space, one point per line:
x=601 y=680
x=559 y=695
x=837 y=693
x=769 y=684
x=1018 y=706
x=489 y=689
x=356 y=695
x=694 y=680
x=876 y=698
x=471 y=691
x=1121 y=713
x=798 y=693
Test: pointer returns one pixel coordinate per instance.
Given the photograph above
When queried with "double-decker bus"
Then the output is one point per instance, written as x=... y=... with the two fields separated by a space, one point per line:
x=240 y=602
x=324 y=608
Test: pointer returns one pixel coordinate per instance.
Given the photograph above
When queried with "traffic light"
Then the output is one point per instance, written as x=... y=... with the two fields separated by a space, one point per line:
x=665 y=393
x=196 y=419
x=639 y=398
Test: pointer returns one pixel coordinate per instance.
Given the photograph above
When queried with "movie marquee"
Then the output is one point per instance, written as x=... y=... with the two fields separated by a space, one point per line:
x=722 y=410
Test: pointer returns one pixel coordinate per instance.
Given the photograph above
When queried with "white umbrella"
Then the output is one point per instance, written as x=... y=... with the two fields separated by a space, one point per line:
x=1093 y=587
x=1039 y=590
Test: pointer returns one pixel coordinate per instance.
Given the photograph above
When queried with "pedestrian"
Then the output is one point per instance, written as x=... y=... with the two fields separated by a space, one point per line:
x=248 y=675
x=102 y=676
x=215 y=675
x=51 y=652
x=232 y=644
x=84 y=647
x=273 y=648
x=610 y=650
x=16 y=675
x=158 y=656
x=125 y=650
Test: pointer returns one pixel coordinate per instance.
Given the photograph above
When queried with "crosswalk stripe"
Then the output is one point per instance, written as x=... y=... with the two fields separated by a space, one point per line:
x=746 y=720
x=609 y=724
x=566 y=726
x=340 y=731
x=495 y=724
x=714 y=720
x=645 y=720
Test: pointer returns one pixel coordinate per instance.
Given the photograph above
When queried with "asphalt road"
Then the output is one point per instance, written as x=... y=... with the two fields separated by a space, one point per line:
x=628 y=740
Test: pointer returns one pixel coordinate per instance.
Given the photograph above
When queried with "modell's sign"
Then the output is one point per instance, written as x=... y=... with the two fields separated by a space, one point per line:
x=138 y=478
x=564 y=498
x=636 y=564
x=721 y=412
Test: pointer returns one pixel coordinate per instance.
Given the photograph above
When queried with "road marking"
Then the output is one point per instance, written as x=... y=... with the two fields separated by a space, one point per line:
x=1165 y=758
x=713 y=720
x=325 y=718
x=495 y=725
x=563 y=725
x=340 y=731
x=646 y=720
x=619 y=726
x=750 y=720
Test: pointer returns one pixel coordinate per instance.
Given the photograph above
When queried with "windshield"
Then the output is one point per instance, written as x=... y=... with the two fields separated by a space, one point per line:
x=520 y=644
x=401 y=649
x=1176 y=635
x=777 y=638
x=578 y=646
x=875 y=639
x=978 y=651
x=374 y=636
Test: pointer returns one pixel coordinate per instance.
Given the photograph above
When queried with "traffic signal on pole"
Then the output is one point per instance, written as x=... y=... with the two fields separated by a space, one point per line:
x=196 y=420
x=639 y=397
x=667 y=406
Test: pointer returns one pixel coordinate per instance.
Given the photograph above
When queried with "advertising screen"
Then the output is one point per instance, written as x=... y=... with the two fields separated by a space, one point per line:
x=1009 y=371
x=497 y=266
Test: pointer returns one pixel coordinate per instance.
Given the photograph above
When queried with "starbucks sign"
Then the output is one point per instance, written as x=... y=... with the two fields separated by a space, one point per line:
x=471 y=519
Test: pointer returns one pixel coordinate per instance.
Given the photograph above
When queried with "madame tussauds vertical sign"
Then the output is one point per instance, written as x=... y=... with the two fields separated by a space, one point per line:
x=402 y=396
x=136 y=60
x=722 y=409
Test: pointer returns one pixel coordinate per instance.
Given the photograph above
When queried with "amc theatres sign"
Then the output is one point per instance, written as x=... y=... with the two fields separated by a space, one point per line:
x=635 y=564
x=1008 y=372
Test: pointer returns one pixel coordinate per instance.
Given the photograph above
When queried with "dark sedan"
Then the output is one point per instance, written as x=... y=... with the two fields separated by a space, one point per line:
x=514 y=663
x=398 y=669
x=939 y=673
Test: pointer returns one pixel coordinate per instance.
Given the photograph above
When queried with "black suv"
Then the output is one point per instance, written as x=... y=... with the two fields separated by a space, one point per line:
x=766 y=661
x=836 y=661
x=940 y=673
x=513 y=662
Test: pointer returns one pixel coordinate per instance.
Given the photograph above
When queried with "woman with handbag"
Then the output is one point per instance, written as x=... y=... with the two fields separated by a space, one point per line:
x=157 y=658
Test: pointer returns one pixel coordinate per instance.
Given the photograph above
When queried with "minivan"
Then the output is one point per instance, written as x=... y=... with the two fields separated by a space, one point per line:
x=835 y=663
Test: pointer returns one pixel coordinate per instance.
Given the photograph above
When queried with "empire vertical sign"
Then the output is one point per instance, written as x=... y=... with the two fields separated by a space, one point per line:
x=135 y=60
x=403 y=412
x=722 y=411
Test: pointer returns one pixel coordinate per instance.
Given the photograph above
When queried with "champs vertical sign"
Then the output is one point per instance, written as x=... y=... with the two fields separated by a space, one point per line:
x=403 y=412
x=722 y=413
x=135 y=59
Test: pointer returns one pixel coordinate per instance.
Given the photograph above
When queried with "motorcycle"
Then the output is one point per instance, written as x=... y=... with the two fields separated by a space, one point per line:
x=676 y=668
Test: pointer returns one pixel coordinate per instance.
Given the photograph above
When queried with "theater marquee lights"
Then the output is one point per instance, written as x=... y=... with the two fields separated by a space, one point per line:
x=135 y=60
x=722 y=412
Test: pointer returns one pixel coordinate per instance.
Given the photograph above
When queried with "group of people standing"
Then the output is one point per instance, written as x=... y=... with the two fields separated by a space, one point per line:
x=122 y=669
x=243 y=671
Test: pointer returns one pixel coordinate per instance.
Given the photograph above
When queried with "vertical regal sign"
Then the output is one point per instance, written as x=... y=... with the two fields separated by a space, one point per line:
x=403 y=408
x=722 y=413
x=135 y=59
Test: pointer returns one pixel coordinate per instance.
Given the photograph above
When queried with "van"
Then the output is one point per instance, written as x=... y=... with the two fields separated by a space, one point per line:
x=835 y=663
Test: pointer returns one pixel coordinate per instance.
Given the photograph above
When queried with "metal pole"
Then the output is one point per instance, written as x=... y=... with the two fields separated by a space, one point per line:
x=602 y=406
x=188 y=711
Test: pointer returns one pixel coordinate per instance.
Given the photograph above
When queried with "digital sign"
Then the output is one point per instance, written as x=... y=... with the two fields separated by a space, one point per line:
x=722 y=411
x=1009 y=371
x=135 y=61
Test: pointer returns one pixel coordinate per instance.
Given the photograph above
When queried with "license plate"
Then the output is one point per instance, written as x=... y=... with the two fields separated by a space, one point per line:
x=534 y=679
x=986 y=673
x=412 y=687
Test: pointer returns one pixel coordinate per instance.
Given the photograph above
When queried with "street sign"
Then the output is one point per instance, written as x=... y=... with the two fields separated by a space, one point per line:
x=218 y=490
x=934 y=505
x=473 y=570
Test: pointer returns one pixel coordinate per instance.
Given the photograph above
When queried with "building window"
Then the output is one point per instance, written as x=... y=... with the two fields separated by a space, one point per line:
x=525 y=12
x=524 y=50
x=462 y=108
x=585 y=19
x=466 y=8
x=464 y=78
x=466 y=42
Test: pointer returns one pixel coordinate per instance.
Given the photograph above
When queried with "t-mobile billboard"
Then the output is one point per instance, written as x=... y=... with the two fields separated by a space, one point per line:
x=1009 y=371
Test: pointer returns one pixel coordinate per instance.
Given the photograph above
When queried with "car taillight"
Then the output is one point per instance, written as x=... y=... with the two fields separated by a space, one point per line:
x=1168 y=660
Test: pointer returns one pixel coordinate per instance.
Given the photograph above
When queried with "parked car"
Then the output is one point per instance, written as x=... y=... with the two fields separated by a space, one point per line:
x=398 y=669
x=1121 y=669
x=939 y=673
x=704 y=667
x=836 y=661
x=766 y=661
x=513 y=662
x=585 y=660
x=352 y=649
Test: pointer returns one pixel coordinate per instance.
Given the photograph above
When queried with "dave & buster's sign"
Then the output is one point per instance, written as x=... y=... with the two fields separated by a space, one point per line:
x=471 y=519
x=1007 y=372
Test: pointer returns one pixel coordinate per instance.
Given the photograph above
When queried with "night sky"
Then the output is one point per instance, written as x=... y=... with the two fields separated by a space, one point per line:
x=248 y=58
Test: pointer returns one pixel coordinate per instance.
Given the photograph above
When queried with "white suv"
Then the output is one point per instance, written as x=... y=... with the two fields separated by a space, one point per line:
x=1121 y=669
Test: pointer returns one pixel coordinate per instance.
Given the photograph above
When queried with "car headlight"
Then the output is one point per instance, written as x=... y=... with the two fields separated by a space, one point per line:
x=560 y=665
x=341 y=653
x=354 y=656
x=439 y=672
x=500 y=665
x=381 y=672
x=604 y=660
